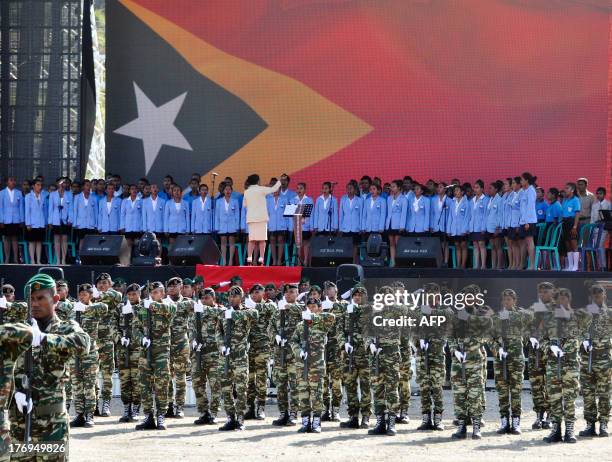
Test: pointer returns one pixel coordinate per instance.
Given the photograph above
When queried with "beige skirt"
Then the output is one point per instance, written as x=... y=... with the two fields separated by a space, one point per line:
x=258 y=231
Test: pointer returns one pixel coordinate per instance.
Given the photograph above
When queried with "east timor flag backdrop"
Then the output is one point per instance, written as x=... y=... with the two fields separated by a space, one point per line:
x=334 y=89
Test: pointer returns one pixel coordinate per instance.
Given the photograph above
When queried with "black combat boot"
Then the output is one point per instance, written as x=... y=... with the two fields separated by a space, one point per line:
x=570 y=437
x=89 y=420
x=476 y=428
x=292 y=421
x=305 y=428
x=250 y=413
x=126 y=413
x=352 y=422
x=589 y=430
x=515 y=428
x=105 y=412
x=203 y=419
x=425 y=422
x=316 y=424
x=603 y=428
x=148 y=423
x=78 y=421
x=403 y=417
x=135 y=412
x=97 y=410
x=555 y=433
x=161 y=422
x=461 y=432
x=334 y=415
x=212 y=418
x=537 y=424
x=546 y=422
x=260 y=412
x=179 y=412
x=504 y=425
x=326 y=416
x=381 y=426
x=240 y=422
x=229 y=425
x=391 y=424
x=437 y=423
x=170 y=412
x=365 y=421
x=282 y=420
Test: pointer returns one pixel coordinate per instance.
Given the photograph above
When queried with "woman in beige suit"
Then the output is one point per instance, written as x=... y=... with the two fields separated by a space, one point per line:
x=257 y=215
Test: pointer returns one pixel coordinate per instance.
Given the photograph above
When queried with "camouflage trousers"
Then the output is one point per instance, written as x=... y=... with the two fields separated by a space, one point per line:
x=179 y=365
x=537 y=380
x=431 y=378
x=310 y=384
x=129 y=374
x=5 y=439
x=509 y=390
x=68 y=383
x=46 y=429
x=405 y=371
x=209 y=372
x=106 y=351
x=357 y=384
x=332 y=381
x=286 y=381
x=483 y=394
x=596 y=386
x=385 y=374
x=154 y=380
x=84 y=383
x=467 y=396
x=234 y=384
x=563 y=392
x=259 y=356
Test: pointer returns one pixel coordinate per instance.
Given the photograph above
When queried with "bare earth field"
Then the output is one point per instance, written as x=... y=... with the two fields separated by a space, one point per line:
x=183 y=441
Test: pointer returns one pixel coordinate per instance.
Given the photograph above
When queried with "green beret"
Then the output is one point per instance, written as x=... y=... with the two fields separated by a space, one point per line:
x=597 y=289
x=359 y=289
x=235 y=290
x=175 y=281
x=235 y=279
x=546 y=285
x=39 y=282
x=328 y=284
x=198 y=279
x=119 y=281
x=187 y=282
x=133 y=288
x=207 y=291
x=313 y=301
x=270 y=285
x=85 y=288
x=305 y=280
x=315 y=288
x=256 y=287
x=103 y=277
x=61 y=283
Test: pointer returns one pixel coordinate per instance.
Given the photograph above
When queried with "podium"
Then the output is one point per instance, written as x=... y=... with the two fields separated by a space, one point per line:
x=298 y=211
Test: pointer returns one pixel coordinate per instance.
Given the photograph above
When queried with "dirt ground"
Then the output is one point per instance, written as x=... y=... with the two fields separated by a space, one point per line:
x=183 y=441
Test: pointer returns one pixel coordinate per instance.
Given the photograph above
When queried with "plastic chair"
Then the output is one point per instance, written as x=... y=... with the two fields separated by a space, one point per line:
x=2 y=251
x=48 y=245
x=285 y=252
x=552 y=246
x=542 y=234
x=452 y=253
x=590 y=244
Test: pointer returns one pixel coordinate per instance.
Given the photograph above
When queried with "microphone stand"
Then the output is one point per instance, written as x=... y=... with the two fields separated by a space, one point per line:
x=444 y=236
x=212 y=204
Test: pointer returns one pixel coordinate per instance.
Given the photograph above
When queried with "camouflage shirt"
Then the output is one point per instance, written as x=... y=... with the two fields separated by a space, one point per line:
x=64 y=310
x=180 y=321
x=467 y=335
x=109 y=324
x=318 y=328
x=335 y=335
x=259 y=336
x=89 y=321
x=161 y=320
x=243 y=320
x=509 y=333
x=15 y=338
x=16 y=312
x=291 y=317
x=382 y=333
x=354 y=325
x=568 y=333
x=209 y=317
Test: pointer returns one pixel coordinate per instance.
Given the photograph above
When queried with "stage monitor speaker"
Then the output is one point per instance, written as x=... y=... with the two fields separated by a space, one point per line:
x=331 y=251
x=347 y=276
x=418 y=252
x=104 y=249
x=190 y=250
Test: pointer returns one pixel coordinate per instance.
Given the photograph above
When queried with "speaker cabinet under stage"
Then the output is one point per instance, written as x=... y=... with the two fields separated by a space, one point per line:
x=347 y=276
x=419 y=252
x=190 y=250
x=331 y=251
x=104 y=250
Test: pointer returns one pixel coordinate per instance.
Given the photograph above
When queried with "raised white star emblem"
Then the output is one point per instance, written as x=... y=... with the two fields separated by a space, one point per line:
x=155 y=126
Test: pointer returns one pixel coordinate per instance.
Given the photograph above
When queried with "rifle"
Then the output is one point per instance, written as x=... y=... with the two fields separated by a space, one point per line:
x=149 y=330
x=426 y=358
x=283 y=352
x=127 y=333
x=227 y=340
x=78 y=315
x=593 y=322
x=1 y=308
x=558 y=342
x=376 y=361
x=26 y=381
x=198 y=322
x=351 y=332
x=306 y=349
x=461 y=346
x=504 y=334
x=539 y=319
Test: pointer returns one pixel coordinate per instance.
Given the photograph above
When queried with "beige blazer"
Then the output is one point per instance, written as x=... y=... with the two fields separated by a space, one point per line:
x=255 y=202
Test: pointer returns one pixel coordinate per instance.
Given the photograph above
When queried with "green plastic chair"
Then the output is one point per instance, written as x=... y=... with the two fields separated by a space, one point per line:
x=541 y=236
x=552 y=246
x=285 y=252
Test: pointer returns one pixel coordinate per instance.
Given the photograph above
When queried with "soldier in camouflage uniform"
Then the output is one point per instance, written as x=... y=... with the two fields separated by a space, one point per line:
x=53 y=343
x=15 y=338
x=108 y=335
x=205 y=358
x=536 y=357
x=259 y=352
x=64 y=312
x=84 y=369
x=357 y=367
x=469 y=326
x=271 y=293
x=596 y=364
x=431 y=360
x=232 y=338
x=308 y=344
x=128 y=355
x=152 y=331
x=510 y=324
x=179 y=353
x=332 y=385
x=564 y=327
x=222 y=297
x=286 y=318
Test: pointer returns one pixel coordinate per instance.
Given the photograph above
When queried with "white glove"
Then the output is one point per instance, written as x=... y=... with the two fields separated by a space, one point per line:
x=502 y=354
x=534 y=343
x=327 y=304
x=282 y=304
x=127 y=308
x=37 y=335
x=350 y=307
x=95 y=292
x=284 y=342
x=228 y=313
x=278 y=339
x=249 y=303
x=198 y=307
x=303 y=354
x=587 y=346
x=302 y=295
x=558 y=352
x=539 y=307
x=146 y=342
x=194 y=345
x=348 y=348
x=460 y=356
x=307 y=315
x=78 y=306
x=225 y=351
x=3 y=302
x=125 y=341
x=424 y=344
x=374 y=350
x=346 y=295
x=426 y=310
x=224 y=283
x=147 y=302
x=23 y=403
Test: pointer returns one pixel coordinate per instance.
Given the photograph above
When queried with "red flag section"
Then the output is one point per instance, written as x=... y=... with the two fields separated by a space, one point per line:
x=214 y=275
